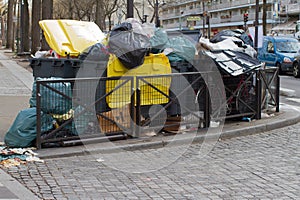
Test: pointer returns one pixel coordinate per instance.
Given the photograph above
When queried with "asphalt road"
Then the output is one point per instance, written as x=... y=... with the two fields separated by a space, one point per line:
x=290 y=90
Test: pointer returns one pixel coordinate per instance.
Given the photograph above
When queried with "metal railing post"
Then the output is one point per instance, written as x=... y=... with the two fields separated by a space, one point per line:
x=258 y=97
x=207 y=109
x=277 y=89
x=38 y=116
x=137 y=103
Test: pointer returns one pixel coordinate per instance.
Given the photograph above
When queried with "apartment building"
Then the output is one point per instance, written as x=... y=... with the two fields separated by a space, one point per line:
x=287 y=16
x=215 y=14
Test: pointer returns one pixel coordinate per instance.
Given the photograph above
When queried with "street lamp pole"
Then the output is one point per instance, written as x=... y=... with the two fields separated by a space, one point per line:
x=129 y=9
x=256 y=25
x=180 y=21
x=203 y=16
x=157 y=21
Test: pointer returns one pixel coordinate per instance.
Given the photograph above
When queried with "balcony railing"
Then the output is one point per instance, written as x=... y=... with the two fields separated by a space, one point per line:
x=292 y=9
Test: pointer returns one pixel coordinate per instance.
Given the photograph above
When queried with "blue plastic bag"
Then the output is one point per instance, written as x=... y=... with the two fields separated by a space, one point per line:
x=52 y=102
x=22 y=132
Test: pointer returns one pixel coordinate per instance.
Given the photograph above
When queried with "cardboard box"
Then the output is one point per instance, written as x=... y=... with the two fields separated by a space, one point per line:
x=172 y=124
x=119 y=115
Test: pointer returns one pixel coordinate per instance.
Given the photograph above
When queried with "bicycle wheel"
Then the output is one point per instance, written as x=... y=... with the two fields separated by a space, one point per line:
x=246 y=98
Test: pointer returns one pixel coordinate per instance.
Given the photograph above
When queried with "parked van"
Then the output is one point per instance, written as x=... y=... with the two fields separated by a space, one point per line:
x=279 y=51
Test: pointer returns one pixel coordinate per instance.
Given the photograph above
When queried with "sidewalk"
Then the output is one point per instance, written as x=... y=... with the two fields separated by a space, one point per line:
x=15 y=91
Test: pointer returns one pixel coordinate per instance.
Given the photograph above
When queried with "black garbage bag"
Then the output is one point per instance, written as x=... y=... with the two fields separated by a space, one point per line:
x=96 y=52
x=129 y=46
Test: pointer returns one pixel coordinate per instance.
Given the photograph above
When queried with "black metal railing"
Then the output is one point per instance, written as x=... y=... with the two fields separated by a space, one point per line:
x=85 y=108
x=270 y=88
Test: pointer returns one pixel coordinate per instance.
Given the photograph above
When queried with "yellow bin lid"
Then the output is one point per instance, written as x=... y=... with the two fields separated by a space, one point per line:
x=70 y=37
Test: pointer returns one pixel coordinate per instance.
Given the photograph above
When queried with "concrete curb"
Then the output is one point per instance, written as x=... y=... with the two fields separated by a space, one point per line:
x=140 y=145
x=15 y=188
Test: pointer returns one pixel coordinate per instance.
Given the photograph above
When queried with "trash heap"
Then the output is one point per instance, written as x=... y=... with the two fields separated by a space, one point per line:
x=79 y=48
x=232 y=51
x=130 y=44
x=10 y=157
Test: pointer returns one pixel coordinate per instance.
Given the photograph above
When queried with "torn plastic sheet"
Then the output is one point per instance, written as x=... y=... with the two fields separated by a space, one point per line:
x=234 y=63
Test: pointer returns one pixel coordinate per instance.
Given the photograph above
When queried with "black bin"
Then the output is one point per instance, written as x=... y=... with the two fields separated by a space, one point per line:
x=55 y=67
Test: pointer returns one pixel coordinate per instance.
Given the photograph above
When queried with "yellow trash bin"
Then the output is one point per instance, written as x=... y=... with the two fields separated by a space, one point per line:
x=154 y=64
x=70 y=37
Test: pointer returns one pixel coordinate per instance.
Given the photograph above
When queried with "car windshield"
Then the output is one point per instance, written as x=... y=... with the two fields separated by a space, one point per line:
x=288 y=47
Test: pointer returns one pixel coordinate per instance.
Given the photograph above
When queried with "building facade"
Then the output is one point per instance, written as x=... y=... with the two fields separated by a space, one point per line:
x=216 y=15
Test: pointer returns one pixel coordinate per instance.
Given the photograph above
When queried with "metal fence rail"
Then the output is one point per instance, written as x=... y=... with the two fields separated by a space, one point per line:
x=80 y=110
x=270 y=88
x=242 y=95
x=85 y=108
x=166 y=102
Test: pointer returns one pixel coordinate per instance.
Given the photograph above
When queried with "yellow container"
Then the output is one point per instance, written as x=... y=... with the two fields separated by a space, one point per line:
x=70 y=37
x=154 y=64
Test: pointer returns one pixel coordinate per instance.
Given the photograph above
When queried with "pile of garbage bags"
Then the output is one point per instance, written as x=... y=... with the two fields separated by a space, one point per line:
x=22 y=132
x=130 y=42
x=235 y=40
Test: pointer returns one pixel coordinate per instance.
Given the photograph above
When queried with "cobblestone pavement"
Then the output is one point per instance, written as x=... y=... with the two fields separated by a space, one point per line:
x=262 y=166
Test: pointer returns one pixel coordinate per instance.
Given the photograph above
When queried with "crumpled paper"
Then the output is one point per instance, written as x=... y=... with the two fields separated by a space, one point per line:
x=10 y=157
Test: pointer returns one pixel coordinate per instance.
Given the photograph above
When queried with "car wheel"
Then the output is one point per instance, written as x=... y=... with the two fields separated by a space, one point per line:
x=278 y=65
x=296 y=70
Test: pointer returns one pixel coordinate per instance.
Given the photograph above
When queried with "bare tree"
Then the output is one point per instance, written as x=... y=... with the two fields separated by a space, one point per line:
x=137 y=10
x=83 y=11
x=3 y=18
x=25 y=26
x=47 y=9
x=110 y=8
x=100 y=14
x=47 y=13
x=10 y=14
x=152 y=4
x=74 y=9
x=90 y=10
x=63 y=9
x=35 y=28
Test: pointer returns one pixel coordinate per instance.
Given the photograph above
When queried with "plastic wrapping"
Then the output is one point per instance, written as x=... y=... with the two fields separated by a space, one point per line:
x=52 y=102
x=238 y=33
x=183 y=49
x=158 y=40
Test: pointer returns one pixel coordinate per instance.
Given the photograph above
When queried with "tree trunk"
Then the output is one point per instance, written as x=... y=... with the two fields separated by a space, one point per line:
x=27 y=25
x=70 y=9
x=15 y=26
x=100 y=19
x=264 y=17
x=10 y=14
x=3 y=31
x=109 y=22
x=47 y=13
x=35 y=28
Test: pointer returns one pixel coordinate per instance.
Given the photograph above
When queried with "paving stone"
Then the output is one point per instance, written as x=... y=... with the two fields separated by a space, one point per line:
x=252 y=167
